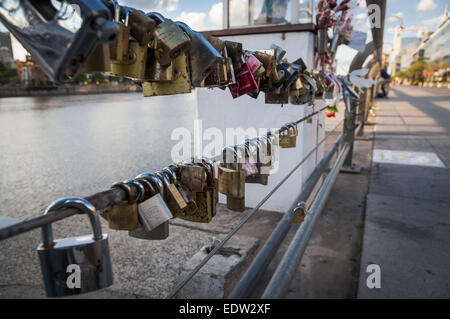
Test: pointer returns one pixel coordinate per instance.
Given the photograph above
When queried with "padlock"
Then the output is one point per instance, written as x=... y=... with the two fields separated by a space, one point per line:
x=219 y=75
x=301 y=66
x=119 y=47
x=123 y=216
x=212 y=183
x=288 y=136
x=300 y=99
x=259 y=177
x=191 y=206
x=141 y=65
x=297 y=88
x=280 y=53
x=169 y=41
x=90 y=253
x=234 y=52
x=180 y=83
x=231 y=180
x=269 y=60
x=206 y=199
x=280 y=96
x=194 y=177
x=267 y=152
x=174 y=200
x=255 y=66
x=245 y=82
x=247 y=160
x=203 y=57
x=231 y=74
x=99 y=61
x=142 y=27
x=300 y=213
x=154 y=215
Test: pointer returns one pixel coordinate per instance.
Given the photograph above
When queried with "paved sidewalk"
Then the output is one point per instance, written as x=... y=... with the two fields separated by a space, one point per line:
x=407 y=228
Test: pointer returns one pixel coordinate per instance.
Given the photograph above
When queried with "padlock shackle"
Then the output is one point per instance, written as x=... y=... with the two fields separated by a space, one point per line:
x=183 y=26
x=83 y=206
x=163 y=178
x=155 y=181
x=140 y=197
x=172 y=176
x=125 y=187
x=150 y=190
x=158 y=17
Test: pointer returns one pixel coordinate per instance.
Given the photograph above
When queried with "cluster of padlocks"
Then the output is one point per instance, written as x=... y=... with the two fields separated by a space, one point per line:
x=188 y=190
x=164 y=56
x=169 y=57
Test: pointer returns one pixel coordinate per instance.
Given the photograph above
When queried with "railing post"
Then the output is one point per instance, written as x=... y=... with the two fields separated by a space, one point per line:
x=352 y=105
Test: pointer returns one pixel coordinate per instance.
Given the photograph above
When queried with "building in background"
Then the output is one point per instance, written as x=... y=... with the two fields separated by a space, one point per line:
x=436 y=48
x=6 y=52
x=30 y=73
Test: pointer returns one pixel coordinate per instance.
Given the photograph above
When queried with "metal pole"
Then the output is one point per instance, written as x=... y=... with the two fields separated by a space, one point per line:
x=249 y=281
x=101 y=201
x=284 y=272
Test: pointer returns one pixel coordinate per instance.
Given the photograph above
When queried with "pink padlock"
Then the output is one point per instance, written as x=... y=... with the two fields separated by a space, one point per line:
x=245 y=82
x=253 y=63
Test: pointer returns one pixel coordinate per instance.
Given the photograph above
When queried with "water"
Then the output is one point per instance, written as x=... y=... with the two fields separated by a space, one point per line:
x=52 y=147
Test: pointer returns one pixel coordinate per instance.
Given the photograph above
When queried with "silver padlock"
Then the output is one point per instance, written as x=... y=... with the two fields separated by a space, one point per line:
x=154 y=215
x=90 y=253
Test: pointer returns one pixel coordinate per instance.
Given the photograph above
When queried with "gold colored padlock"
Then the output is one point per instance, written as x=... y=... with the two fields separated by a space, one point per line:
x=180 y=84
x=123 y=216
x=99 y=61
x=232 y=184
x=119 y=47
x=133 y=65
x=288 y=137
x=300 y=213
x=206 y=199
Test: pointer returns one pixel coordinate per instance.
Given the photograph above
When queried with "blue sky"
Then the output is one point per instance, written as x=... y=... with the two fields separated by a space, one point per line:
x=207 y=15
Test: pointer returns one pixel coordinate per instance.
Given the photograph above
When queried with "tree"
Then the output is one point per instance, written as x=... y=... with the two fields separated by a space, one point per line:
x=7 y=75
x=98 y=78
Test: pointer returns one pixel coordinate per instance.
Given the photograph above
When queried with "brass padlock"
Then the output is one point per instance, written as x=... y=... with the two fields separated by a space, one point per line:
x=172 y=196
x=288 y=136
x=269 y=60
x=191 y=206
x=119 y=47
x=180 y=84
x=169 y=41
x=266 y=153
x=123 y=216
x=141 y=65
x=99 y=61
x=206 y=200
x=141 y=27
x=193 y=176
x=297 y=88
x=300 y=213
x=232 y=180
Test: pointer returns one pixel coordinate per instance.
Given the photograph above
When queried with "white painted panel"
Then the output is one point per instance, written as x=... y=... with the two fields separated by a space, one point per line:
x=217 y=109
